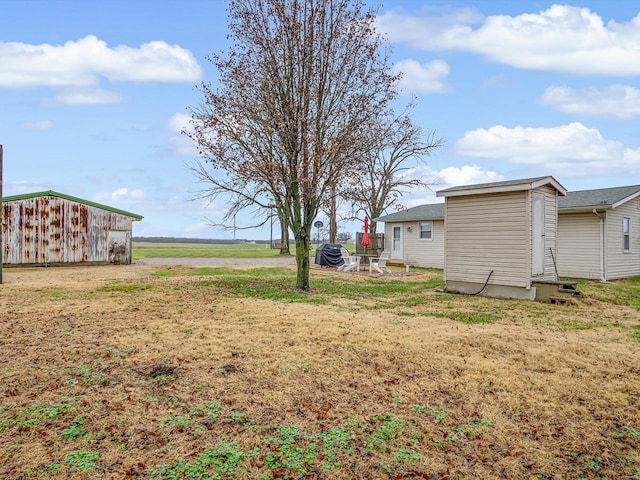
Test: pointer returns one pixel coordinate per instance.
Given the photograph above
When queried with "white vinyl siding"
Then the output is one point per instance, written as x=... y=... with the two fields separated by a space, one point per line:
x=487 y=233
x=538 y=247
x=426 y=230
x=622 y=264
x=416 y=251
x=579 y=245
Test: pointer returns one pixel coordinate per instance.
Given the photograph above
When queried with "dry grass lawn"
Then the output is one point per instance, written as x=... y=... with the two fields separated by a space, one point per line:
x=216 y=373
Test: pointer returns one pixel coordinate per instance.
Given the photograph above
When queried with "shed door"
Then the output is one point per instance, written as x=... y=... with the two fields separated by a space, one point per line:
x=118 y=245
x=396 y=239
x=537 y=229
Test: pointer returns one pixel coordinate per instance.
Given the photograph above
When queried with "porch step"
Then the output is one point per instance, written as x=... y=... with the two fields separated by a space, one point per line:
x=560 y=300
x=555 y=291
x=570 y=288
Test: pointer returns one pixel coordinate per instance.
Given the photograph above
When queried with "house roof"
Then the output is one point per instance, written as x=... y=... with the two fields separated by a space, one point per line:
x=601 y=198
x=580 y=200
x=430 y=211
x=505 y=186
x=51 y=193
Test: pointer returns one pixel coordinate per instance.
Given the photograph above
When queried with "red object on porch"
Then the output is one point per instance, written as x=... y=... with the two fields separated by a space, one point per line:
x=365 y=235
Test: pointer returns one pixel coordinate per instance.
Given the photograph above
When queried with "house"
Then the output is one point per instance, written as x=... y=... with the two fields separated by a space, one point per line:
x=604 y=245
x=501 y=237
x=51 y=228
x=416 y=236
x=599 y=233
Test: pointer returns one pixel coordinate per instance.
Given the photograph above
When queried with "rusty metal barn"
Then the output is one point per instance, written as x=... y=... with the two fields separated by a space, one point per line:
x=50 y=228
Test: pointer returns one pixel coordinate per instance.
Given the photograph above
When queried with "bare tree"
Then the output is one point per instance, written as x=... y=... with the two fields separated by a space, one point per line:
x=261 y=202
x=386 y=175
x=299 y=92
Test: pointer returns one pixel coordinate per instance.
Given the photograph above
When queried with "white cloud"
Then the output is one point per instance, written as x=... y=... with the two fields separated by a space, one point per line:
x=178 y=142
x=179 y=122
x=19 y=187
x=39 y=125
x=120 y=196
x=447 y=177
x=562 y=38
x=466 y=175
x=566 y=150
x=86 y=96
x=615 y=100
x=104 y=180
x=498 y=81
x=197 y=230
x=430 y=21
x=83 y=62
x=422 y=78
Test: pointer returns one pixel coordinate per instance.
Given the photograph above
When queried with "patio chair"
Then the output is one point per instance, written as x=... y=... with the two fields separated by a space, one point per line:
x=380 y=263
x=350 y=264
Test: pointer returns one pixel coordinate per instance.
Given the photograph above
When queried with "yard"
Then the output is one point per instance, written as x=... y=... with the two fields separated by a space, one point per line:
x=156 y=372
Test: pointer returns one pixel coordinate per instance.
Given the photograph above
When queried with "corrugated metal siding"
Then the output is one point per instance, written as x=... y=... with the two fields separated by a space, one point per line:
x=579 y=245
x=45 y=230
x=418 y=252
x=619 y=263
x=485 y=233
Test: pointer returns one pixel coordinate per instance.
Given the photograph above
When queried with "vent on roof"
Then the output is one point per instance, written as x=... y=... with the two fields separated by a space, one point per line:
x=603 y=202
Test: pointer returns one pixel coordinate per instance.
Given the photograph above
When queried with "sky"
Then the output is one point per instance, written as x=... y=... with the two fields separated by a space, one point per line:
x=94 y=95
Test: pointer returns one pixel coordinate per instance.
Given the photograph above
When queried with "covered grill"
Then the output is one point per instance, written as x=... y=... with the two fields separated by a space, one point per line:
x=329 y=255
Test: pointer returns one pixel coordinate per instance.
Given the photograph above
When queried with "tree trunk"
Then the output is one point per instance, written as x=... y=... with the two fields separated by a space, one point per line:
x=373 y=225
x=303 y=245
x=284 y=236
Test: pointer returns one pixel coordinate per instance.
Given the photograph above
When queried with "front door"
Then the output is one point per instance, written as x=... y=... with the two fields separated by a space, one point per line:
x=537 y=231
x=396 y=242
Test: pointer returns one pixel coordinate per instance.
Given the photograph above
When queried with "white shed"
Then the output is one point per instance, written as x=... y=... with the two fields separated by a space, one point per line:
x=501 y=237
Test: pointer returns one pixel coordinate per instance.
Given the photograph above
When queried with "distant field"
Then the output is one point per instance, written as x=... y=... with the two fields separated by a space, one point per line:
x=147 y=249
x=206 y=250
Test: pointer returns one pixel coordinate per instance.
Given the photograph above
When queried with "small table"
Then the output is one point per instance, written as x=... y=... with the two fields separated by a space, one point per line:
x=365 y=257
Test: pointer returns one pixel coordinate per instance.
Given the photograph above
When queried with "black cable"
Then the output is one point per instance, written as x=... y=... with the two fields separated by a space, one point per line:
x=484 y=286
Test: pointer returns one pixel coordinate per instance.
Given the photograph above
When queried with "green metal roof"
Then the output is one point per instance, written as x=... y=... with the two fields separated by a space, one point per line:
x=51 y=193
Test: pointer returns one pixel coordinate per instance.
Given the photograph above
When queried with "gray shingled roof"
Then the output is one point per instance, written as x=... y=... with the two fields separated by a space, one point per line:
x=431 y=211
x=506 y=183
x=599 y=198
x=581 y=199
x=501 y=185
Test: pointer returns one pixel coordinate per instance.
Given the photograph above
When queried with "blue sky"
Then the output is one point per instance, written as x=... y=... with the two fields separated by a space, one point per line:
x=93 y=96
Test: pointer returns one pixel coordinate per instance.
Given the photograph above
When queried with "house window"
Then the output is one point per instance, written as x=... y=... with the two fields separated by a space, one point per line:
x=626 y=234
x=426 y=231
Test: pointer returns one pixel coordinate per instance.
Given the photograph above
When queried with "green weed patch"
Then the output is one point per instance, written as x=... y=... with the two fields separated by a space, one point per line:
x=123 y=288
